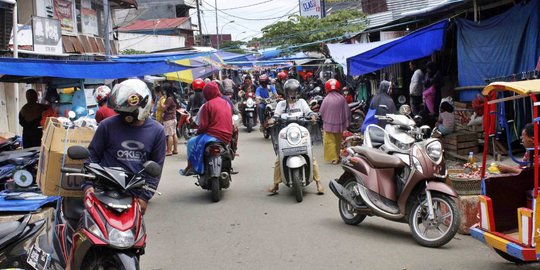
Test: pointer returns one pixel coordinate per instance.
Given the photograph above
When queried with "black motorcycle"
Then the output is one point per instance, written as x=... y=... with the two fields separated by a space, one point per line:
x=15 y=238
x=18 y=168
x=11 y=144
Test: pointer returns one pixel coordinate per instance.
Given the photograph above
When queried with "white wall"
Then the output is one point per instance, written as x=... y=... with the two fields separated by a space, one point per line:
x=149 y=43
x=8 y=113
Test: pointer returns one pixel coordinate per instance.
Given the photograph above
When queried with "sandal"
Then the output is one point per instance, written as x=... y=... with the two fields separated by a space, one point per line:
x=273 y=189
x=175 y=152
x=168 y=154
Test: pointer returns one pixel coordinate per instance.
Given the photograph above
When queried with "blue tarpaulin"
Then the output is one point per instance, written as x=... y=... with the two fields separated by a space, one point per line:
x=23 y=202
x=85 y=69
x=420 y=43
x=500 y=46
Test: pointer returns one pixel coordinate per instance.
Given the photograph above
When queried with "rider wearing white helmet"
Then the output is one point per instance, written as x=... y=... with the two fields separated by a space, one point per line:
x=131 y=138
x=101 y=94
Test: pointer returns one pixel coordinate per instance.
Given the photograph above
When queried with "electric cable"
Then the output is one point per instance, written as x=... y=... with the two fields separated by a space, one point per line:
x=251 y=5
x=247 y=19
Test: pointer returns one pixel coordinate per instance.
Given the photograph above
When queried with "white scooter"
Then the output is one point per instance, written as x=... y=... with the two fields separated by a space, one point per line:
x=293 y=147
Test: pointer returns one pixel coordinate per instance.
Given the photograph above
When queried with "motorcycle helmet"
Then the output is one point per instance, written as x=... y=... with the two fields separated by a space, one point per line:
x=263 y=79
x=282 y=76
x=131 y=99
x=198 y=84
x=332 y=85
x=292 y=88
x=101 y=93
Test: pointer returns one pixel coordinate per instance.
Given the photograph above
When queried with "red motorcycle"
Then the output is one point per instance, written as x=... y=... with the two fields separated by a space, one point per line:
x=107 y=231
x=186 y=126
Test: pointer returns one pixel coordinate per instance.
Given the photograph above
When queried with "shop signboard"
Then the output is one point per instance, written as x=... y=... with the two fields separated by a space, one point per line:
x=310 y=8
x=89 y=18
x=64 y=10
x=47 y=35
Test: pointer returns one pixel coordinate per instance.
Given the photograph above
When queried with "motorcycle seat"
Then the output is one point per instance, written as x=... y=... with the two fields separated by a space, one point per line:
x=378 y=158
x=8 y=227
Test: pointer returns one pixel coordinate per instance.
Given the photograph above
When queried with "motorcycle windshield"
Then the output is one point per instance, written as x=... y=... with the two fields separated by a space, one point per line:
x=114 y=175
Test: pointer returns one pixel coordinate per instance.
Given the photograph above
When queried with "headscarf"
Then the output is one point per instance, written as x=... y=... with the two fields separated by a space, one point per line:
x=383 y=98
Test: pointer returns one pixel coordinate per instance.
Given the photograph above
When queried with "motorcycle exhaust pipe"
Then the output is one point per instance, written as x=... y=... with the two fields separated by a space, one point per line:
x=344 y=194
x=224 y=175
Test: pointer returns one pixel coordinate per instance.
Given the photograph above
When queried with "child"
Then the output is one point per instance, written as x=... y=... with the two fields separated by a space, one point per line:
x=447 y=120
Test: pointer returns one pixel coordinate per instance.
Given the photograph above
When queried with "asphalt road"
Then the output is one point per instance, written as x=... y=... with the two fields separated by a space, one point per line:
x=248 y=229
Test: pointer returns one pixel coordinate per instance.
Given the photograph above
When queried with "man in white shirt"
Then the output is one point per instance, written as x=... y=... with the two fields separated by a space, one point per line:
x=295 y=107
x=416 y=88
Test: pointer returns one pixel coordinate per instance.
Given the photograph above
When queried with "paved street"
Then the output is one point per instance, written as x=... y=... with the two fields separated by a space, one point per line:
x=248 y=229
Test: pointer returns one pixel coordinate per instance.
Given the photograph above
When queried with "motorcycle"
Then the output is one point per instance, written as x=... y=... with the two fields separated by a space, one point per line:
x=249 y=111
x=15 y=238
x=315 y=99
x=107 y=231
x=11 y=144
x=187 y=127
x=292 y=142
x=401 y=177
x=271 y=104
x=358 y=114
x=18 y=168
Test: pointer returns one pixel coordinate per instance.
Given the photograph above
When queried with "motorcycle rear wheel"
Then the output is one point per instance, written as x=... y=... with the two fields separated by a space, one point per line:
x=346 y=210
x=249 y=125
x=297 y=185
x=266 y=133
x=446 y=215
x=215 y=189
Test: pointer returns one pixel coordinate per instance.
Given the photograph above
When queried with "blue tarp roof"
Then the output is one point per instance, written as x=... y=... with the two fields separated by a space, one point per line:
x=85 y=69
x=420 y=43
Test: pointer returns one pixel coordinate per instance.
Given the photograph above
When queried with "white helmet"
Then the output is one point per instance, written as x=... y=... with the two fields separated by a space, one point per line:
x=102 y=93
x=131 y=98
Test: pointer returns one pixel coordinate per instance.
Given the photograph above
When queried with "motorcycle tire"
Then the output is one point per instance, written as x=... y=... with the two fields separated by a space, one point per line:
x=508 y=257
x=418 y=214
x=108 y=259
x=249 y=125
x=185 y=132
x=266 y=133
x=297 y=185
x=346 y=211
x=215 y=189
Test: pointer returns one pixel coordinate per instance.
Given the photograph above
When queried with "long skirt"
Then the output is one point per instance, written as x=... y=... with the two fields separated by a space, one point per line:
x=332 y=145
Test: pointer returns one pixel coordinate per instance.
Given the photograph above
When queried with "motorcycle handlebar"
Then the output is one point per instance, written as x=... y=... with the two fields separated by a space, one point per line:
x=70 y=170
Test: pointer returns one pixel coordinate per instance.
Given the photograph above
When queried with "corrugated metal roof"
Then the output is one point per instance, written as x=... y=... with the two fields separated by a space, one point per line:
x=379 y=18
x=399 y=6
x=154 y=24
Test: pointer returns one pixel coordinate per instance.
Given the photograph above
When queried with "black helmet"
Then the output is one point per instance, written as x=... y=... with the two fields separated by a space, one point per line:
x=292 y=88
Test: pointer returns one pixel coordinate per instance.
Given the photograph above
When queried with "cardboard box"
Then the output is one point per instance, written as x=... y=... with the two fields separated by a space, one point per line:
x=54 y=144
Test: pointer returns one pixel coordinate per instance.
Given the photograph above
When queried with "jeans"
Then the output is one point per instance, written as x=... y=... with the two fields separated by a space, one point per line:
x=261 y=112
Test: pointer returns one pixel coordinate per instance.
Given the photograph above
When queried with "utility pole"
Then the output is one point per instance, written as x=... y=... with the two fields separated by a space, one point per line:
x=323 y=9
x=199 y=19
x=217 y=29
x=106 y=12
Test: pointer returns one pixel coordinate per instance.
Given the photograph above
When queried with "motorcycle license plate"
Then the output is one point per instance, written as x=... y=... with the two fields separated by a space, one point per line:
x=250 y=109
x=294 y=150
x=38 y=259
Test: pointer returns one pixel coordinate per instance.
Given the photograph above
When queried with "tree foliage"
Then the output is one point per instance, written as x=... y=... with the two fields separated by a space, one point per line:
x=233 y=46
x=132 y=51
x=299 y=30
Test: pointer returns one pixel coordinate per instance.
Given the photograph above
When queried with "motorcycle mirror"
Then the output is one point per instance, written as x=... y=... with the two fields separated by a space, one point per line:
x=235 y=118
x=72 y=115
x=405 y=109
x=78 y=152
x=91 y=112
x=152 y=168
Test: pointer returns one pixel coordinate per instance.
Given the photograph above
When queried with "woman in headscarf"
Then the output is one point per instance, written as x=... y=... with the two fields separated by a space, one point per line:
x=336 y=115
x=30 y=118
x=383 y=103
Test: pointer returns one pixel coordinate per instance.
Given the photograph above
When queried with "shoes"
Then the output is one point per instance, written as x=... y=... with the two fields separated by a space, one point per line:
x=189 y=172
x=175 y=152
x=273 y=189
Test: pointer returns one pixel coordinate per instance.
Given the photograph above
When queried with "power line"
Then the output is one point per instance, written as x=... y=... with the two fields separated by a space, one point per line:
x=256 y=4
x=247 y=19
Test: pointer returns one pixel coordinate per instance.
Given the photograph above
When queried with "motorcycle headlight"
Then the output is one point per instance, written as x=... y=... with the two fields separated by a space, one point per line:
x=121 y=239
x=250 y=102
x=294 y=135
x=417 y=165
x=434 y=150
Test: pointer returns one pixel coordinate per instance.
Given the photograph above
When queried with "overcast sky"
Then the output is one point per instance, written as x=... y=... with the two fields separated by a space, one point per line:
x=241 y=29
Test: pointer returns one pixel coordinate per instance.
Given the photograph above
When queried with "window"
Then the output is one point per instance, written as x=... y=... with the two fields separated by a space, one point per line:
x=374 y=6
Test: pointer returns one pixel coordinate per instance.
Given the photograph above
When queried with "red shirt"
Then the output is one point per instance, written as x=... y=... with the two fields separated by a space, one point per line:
x=103 y=113
x=215 y=115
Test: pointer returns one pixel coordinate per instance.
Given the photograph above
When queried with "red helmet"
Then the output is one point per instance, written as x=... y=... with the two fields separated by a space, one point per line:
x=282 y=75
x=309 y=74
x=198 y=84
x=263 y=78
x=332 y=85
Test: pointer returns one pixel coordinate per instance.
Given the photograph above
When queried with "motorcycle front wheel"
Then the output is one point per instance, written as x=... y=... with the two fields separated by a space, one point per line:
x=185 y=132
x=297 y=185
x=110 y=260
x=214 y=188
x=249 y=125
x=346 y=210
x=440 y=230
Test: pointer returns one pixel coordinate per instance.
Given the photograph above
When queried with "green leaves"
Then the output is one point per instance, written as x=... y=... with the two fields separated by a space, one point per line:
x=299 y=30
